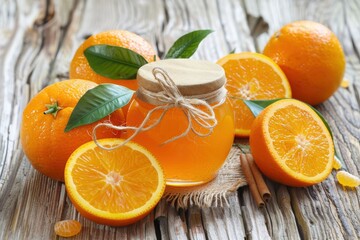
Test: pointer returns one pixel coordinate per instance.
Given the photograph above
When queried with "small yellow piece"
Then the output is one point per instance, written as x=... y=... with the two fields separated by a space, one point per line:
x=67 y=228
x=347 y=180
x=337 y=164
x=344 y=83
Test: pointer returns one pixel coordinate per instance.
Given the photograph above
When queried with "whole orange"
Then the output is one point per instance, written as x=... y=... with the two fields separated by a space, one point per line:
x=80 y=68
x=311 y=57
x=42 y=136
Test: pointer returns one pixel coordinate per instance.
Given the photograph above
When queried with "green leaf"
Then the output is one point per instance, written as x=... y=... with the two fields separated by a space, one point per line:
x=256 y=106
x=337 y=155
x=186 y=45
x=114 y=62
x=97 y=103
x=322 y=118
x=232 y=51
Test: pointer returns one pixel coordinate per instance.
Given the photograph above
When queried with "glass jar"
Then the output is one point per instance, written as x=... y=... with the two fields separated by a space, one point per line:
x=188 y=157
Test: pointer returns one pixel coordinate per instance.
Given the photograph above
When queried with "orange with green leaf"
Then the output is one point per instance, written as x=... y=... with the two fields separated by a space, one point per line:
x=100 y=47
x=115 y=56
x=42 y=135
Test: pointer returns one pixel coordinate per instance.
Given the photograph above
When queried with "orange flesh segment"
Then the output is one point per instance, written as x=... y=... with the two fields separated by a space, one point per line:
x=115 y=182
x=67 y=228
x=296 y=138
x=347 y=180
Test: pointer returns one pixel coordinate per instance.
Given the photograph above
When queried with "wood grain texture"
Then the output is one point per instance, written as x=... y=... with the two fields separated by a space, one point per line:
x=38 y=39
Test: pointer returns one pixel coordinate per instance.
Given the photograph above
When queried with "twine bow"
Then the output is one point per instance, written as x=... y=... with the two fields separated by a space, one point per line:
x=171 y=97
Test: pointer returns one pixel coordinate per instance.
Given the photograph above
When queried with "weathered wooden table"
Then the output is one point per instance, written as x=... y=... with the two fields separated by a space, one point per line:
x=37 y=41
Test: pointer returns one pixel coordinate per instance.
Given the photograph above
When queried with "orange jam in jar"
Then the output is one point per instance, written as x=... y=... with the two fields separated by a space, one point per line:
x=186 y=121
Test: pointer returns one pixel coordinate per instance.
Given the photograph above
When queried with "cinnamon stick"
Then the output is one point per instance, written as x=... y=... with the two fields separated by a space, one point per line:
x=260 y=183
x=251 y=181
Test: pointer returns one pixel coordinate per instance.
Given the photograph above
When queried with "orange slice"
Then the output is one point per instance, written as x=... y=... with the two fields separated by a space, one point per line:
x=252 y=76
x=116 y=187
x=67 y=228
x=291 y=144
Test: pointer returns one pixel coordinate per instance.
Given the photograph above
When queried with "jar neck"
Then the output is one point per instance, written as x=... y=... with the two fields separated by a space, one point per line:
x=162 y=98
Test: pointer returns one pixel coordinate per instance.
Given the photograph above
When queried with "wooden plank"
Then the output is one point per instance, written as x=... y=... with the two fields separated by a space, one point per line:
x=177 y=226
x=10 y=49
x=196 y=229
x=226 y=222
x=279 y=217
x=254 y=218
x=31 y=45
x=161 y=218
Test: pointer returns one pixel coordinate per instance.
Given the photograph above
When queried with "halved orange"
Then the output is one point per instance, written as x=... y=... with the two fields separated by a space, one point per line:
x=291 y=144
x=116 y=187
x=252 y=76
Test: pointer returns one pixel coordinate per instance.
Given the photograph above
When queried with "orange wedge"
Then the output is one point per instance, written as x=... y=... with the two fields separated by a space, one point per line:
x=252 y=76
x=291 y=144
x=116 y=187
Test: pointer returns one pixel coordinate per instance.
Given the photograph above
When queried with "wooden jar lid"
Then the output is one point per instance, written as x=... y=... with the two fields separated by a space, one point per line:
x=192 y=77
